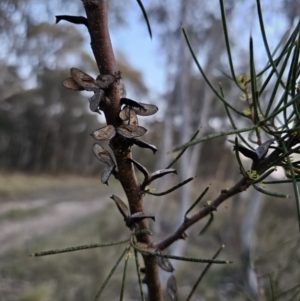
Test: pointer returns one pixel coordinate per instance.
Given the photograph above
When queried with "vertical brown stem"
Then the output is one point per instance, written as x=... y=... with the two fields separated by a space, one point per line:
x=96 y=11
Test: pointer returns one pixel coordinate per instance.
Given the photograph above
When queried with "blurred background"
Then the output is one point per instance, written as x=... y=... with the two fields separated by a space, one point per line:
x=50 y=191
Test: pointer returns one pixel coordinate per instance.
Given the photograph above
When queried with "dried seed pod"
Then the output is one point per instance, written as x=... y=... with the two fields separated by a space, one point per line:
x=146 y=109
x=133 y=120
x=122 y=89
x=84 y=80
x=172 y=288
x=72 y=19
x=106 y=174
x=95 y=100
x=247 y=152
x=105 y=133
x=131 y=103
x=131 y=131
x=103 y=155
x=121 y=206
x=124 y=114
x=262 y=150
x=105 y=80
x=70 y=83
x=259 y=152
x=164 y=263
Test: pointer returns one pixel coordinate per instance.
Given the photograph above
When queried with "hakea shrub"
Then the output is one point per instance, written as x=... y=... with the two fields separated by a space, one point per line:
x=273 y=122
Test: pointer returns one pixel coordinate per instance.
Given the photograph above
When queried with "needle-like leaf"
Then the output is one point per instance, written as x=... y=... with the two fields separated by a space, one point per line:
x=171 y=189
x=182 y=152
x=142 y=169
x=109 y=275
x=139 y=274
x=277 y=195
x=197 y=201
x=203 y=273
x=131 y=103
x=160 y=173
x=140 y=3
x=144 y=144
x=211 y=218
x=124 y=275
x=73 y=19
x=213 y=136
x=77 y=248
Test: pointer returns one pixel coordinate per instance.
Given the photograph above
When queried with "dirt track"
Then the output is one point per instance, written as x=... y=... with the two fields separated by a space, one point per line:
x=39 y=214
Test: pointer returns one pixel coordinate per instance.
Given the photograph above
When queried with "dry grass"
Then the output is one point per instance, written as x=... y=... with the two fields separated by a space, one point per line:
x=13 y=185
x=78 y=275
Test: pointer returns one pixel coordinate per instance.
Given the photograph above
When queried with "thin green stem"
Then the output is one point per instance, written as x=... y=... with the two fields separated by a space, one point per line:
x=278 y=81
x=276 y=112
x=255 y=101
x=182 y=152
x=265 y=175
x=280 y=181
x=124 y=275
x=271 y=288
x=197 y=201
x=139 y=274
x=276 y=248
x=210 y=220
x=231 y=119
x=293 y=298
x=227 y=43
x=295 y=186
x=181 y=258
x=203 y=273
x=171 y=189
x=269 y=193
x=213 y=136
x=110 y=274
x=286 y=48
x=262 y=29
x=78 y=248
x=205 y=77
